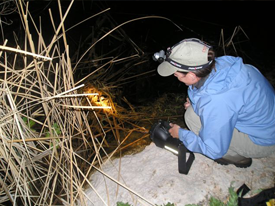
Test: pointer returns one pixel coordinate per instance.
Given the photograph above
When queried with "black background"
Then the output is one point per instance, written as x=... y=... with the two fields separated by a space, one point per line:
x=200 y=19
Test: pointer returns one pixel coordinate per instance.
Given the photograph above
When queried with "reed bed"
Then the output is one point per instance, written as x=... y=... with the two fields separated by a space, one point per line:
x=56 y=130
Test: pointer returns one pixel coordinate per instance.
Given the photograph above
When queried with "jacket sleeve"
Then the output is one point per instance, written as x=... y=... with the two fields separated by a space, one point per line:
x=218 y=122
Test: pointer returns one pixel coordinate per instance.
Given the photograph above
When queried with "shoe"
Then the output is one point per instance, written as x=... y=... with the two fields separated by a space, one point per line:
x=242 y=163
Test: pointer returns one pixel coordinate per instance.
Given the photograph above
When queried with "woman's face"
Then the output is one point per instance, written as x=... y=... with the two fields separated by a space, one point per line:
x=187 y=78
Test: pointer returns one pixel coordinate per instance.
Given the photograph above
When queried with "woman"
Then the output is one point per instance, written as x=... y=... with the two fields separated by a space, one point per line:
x=231 y=106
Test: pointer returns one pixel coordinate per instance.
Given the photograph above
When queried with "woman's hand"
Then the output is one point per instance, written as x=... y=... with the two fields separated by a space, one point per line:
x=187 y=103
x=174 y=130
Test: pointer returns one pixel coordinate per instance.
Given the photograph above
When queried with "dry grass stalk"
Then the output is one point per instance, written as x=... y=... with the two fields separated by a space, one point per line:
x=47 y=129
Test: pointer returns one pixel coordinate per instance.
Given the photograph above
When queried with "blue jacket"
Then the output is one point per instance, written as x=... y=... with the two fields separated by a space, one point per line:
x=236 y=95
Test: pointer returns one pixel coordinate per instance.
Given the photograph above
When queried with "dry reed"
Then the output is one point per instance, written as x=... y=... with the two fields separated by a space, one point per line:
x=54 y=131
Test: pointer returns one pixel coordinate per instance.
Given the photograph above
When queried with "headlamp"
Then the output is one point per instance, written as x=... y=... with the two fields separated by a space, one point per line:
x=159 y=134
x=159 y=56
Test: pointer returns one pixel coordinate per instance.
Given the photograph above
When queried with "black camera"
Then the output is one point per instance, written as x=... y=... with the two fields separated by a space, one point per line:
x=159 y=134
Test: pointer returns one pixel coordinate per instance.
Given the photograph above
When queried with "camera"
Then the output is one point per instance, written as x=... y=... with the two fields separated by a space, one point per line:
x=159 y=134
x=159 y=56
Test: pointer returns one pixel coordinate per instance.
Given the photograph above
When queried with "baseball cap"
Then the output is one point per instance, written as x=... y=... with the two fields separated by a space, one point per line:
x=185 y=56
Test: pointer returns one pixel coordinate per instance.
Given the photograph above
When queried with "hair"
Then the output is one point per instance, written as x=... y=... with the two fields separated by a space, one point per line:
x=204 y=72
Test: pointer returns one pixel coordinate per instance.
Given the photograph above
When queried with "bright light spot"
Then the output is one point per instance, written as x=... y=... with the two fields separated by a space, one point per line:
x=99 y=101
x=171 y=150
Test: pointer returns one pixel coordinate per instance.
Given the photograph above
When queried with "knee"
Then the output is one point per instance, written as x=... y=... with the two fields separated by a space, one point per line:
x=188 y=113
x=190 y=116
x=192 y=120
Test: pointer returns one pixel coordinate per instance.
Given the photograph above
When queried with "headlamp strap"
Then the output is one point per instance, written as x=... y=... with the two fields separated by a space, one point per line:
x=183 y=164
x=190 y=68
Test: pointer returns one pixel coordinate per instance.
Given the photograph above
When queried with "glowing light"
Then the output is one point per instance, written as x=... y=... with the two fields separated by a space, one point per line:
x=171 y=149
x=98 y=101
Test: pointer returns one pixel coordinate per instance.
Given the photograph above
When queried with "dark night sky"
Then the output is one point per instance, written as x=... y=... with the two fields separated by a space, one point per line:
x=256 y=18
x=200 y=19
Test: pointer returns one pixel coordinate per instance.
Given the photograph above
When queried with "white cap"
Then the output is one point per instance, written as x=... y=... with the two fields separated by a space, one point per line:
x=187 y=55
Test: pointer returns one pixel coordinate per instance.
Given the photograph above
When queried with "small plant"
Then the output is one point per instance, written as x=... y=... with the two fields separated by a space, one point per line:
x=122 y=204
x=232 y=201
x=56 y=131
x=233 y=198
x=215 y=202
x=30 y=123
x=169 y=204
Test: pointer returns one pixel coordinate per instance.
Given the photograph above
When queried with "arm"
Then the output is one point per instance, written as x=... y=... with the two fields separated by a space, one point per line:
x=218 y=122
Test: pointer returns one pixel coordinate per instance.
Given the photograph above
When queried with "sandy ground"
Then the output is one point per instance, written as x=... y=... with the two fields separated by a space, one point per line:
x=153 y=178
